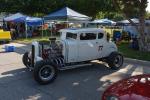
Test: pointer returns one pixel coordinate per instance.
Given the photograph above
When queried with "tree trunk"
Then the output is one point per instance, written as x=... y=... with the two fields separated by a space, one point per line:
x=144 y=38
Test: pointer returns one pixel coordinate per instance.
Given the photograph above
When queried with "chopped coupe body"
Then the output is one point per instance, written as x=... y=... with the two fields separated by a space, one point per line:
x=76 y=48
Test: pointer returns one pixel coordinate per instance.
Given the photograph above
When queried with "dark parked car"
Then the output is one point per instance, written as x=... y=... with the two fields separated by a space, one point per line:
x=133 y=88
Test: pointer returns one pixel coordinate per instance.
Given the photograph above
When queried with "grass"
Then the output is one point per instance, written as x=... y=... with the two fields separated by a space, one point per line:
x=135 y=54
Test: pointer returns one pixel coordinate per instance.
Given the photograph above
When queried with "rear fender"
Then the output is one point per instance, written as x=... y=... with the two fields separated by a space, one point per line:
x=111 y=48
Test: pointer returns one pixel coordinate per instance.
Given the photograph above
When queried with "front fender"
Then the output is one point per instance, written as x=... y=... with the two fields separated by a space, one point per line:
x=113 y=47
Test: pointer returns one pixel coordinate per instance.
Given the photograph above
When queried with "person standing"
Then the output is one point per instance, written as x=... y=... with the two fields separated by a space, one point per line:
x=12 y=31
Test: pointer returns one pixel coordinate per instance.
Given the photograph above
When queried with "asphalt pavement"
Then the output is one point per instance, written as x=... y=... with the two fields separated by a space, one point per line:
x=86 y=83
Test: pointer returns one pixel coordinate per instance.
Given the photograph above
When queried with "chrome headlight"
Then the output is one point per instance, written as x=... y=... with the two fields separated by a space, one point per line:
x=112 y=98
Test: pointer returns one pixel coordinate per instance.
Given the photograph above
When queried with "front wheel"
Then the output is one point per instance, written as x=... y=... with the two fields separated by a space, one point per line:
x=115 y=60
x=44 y=72
x=26 y=60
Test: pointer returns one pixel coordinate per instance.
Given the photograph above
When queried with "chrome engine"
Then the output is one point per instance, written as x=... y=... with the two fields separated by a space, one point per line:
x=51 y=51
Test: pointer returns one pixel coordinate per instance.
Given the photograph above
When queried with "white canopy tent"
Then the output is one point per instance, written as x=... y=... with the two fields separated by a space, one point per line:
x=125 y=22
x=67 y=14
x=104 y=21
x=29 y=21
x=14 y=17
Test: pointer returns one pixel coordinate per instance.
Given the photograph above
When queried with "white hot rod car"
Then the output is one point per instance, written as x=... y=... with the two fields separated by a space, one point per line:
x=76 y=48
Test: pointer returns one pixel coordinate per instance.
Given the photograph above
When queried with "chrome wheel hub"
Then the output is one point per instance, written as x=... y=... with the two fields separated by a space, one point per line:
x=46 y=72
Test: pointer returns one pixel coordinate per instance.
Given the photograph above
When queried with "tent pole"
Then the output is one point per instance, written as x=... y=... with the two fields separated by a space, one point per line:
x=26 y=29
x=52 y=24
x=67 y=23
x=52 y=27
x=18 y=29
x=6 y=25
x=42 y=26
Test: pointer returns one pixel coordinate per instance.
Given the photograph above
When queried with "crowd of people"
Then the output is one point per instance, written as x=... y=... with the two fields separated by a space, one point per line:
x=16 y=30
x=19 y=30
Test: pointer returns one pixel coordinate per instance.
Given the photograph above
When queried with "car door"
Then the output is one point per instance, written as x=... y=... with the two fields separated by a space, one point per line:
x=87 y=46
x=100 y=45
x=71 y=48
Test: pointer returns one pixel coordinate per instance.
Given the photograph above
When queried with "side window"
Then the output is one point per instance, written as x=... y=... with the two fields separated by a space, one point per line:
x=87 y=36
x=100 y=35
x=71 y=35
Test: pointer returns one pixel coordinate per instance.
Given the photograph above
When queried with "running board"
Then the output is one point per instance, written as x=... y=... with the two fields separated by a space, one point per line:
x=74 y=66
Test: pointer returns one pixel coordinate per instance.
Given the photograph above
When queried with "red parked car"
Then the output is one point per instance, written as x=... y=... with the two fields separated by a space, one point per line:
x=133 y=88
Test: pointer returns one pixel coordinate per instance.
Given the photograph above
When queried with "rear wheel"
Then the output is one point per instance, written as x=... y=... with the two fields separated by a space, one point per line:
x=44 y=72
x=115 y=60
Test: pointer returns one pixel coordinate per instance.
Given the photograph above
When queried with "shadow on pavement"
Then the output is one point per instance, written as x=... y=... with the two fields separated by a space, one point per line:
x=86 y=83
x=15 y=72
x=22 y=49
x=80 y=83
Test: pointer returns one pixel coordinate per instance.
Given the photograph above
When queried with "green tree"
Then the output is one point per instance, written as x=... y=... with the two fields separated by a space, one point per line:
x=110 y=15
x=147 y=15
x=42 y=7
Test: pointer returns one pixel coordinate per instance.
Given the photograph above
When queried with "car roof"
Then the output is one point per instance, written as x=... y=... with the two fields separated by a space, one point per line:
x=79 y=30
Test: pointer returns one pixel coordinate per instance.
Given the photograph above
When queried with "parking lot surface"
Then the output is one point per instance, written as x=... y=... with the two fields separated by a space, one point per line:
x=86 y=83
